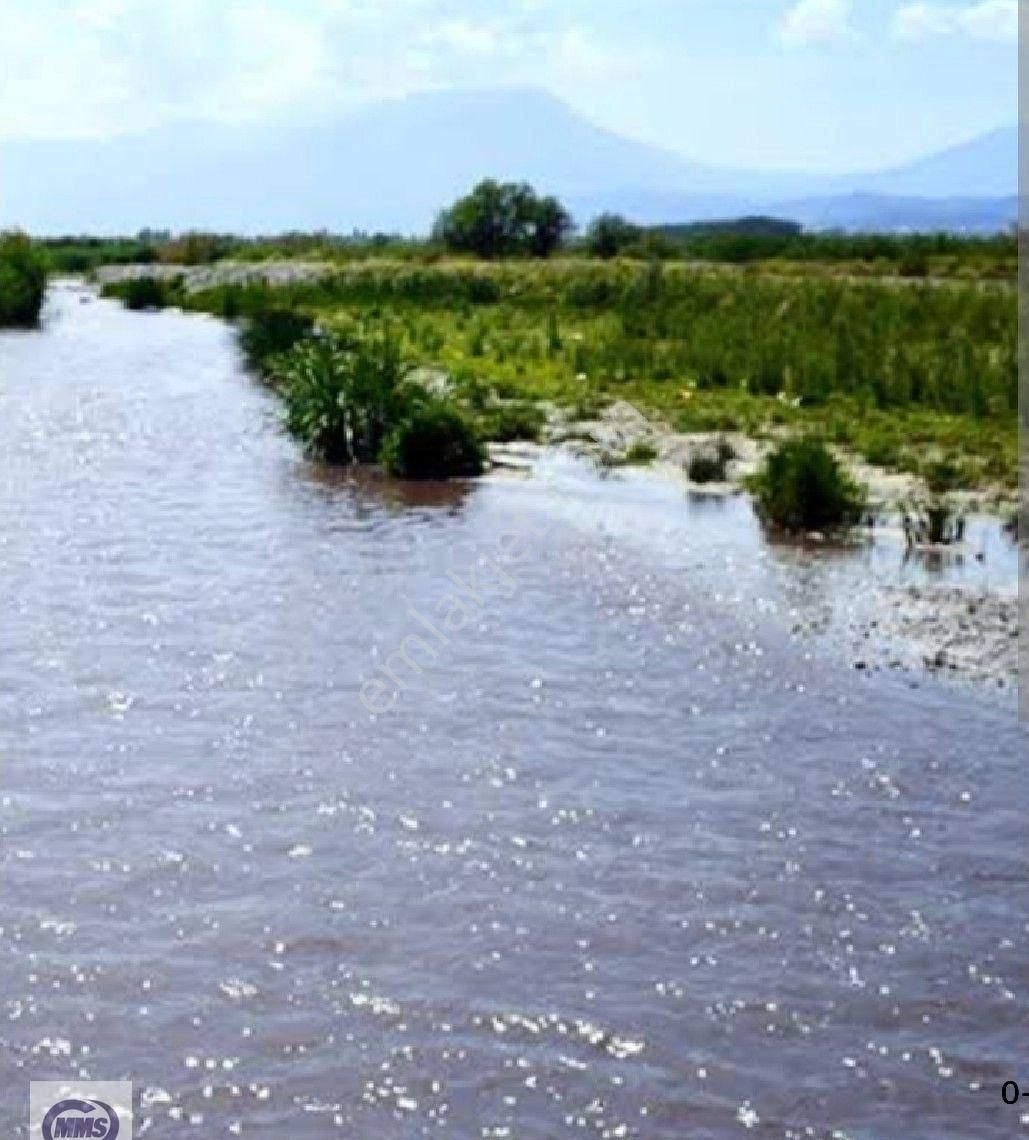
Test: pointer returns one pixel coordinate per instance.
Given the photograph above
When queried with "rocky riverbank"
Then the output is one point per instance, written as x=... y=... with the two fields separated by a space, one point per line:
x=964 y=632
x=198 y=278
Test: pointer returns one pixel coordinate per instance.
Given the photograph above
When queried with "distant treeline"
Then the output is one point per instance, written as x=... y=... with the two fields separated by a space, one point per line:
x=762 y=239
x=499 y=220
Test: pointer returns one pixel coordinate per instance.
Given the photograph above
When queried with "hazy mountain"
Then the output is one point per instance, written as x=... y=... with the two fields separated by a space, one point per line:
x=986 y=167
x=392 y=165
x=862 y=212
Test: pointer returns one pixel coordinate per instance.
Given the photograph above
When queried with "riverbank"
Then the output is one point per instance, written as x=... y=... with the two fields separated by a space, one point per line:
x=900 y=380
x=947 y=612
x=966 y=632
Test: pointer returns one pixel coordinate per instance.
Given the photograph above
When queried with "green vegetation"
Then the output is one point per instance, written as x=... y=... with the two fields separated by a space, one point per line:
x=802 y=487
x=786 y=247
x=344 y=393
x=350 y=399
x=85 y=254
x=641 y=454
x=498 y=219
x=144 y=293
x=22 y=281
x=507 y=423
x=711 y=464
x=269 y=331
x=610 y=235
x=820 y=334
x=905 y=374
x=432 y=441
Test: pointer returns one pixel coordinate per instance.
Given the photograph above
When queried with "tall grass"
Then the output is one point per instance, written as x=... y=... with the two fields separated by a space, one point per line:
x=897 y=371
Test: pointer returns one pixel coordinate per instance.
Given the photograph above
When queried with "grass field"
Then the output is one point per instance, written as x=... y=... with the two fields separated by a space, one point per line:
x=904 y=372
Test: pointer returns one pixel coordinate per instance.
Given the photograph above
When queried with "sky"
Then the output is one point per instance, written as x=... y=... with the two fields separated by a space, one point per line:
x=820 y=85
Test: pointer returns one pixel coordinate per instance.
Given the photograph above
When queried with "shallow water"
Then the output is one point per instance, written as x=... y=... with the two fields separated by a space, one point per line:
x=623 y=858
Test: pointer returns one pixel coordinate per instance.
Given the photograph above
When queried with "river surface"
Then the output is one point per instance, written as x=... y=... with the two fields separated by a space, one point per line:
x=622 y=858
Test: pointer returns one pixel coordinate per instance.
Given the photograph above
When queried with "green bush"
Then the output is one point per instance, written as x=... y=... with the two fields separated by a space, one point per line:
x=344 y=393
x=802 y=487
x=711 y=465
x=943 y=475
x=881 y=450
x=22 y=281
x=433 y=441
x=640 y=454
x=270 y=331
x=142 y=293
x=513 y=422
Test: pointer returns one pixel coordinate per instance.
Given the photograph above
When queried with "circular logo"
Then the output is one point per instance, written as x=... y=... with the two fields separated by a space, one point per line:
x=80 y=1120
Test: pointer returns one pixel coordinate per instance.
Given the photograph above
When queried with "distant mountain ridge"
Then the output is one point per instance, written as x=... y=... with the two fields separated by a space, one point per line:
x=391 y=166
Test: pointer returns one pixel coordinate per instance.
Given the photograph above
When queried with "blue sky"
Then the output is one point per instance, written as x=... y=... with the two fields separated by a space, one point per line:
x=811 y=84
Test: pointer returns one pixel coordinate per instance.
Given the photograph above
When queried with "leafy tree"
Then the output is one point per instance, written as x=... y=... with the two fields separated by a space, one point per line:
x=611 y=234
x=22 y=280
x=498 y=219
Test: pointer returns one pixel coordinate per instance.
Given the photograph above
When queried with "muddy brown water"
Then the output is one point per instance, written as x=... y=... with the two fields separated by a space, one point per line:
x=623 y=859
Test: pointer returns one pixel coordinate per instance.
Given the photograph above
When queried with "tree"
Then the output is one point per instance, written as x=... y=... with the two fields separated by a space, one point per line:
x=498 y=219
x=611 y=234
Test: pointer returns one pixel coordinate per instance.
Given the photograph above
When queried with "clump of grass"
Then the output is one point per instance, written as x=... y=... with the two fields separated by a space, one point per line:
x=640 y=454
x=143 y=294
x=881 y=450
x=432 y=441
x=943 y=476
x=935 y=522
x=344 y=393
x=512 y=422
x=711 y=464
x=22 y=281
x=936 y=519
x=270 y=331
x=350 y=400
x=802 y=487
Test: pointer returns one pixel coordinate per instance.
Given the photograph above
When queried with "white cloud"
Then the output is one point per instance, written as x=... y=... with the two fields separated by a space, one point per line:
x=815 y=21
x=79 y=68
x=466 y=37
x=97 y=67
x=984 y=20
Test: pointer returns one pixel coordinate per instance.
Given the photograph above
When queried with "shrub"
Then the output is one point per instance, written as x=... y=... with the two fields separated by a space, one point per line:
x=270 y=331
x=22 y=281
x=881 y=450
x=711 y=464
x=344 y=393
x=943 y=475
x=802 y=487
x=433 y=441
x=141 y=293
x=513 y=422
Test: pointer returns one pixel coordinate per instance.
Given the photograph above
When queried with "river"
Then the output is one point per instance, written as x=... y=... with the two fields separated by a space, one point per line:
x=622 y=856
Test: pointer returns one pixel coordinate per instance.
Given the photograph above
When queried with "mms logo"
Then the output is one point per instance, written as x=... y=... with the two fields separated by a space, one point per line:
x=80 y=1120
